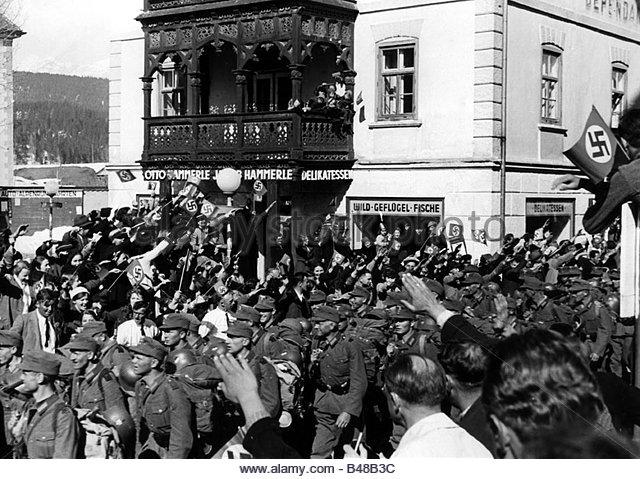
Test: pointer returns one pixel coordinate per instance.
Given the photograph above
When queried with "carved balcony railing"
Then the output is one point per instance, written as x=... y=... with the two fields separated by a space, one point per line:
x=259 y=139
x=152 y=5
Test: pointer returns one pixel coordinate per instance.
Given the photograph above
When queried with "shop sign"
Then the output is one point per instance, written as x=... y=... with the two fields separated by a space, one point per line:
x=622 y=11
x=549 y=208
x=396 y=207
x=15 y=193
x=261 y=174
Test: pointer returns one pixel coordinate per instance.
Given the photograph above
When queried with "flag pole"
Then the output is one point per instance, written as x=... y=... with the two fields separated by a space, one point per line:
x=629 y=275
x=184 y=268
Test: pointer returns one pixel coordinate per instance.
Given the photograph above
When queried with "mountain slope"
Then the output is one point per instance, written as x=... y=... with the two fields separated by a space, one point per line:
x=60 y=118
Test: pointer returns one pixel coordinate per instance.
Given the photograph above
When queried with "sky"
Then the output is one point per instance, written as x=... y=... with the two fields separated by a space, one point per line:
x=70 y=36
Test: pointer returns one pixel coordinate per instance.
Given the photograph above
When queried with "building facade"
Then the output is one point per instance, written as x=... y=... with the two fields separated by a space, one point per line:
x=463 y=108
x=444 y=83
x=8 y=33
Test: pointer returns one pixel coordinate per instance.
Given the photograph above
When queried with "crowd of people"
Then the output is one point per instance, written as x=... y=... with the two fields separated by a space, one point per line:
x=135 y=337
x=112 y=346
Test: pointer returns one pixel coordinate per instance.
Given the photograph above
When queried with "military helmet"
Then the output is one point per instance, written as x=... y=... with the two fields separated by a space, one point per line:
x=120 y=419
x=127 y=376
x=613 y=302
x=292 y=355
x=306 y=325
x=182 y=358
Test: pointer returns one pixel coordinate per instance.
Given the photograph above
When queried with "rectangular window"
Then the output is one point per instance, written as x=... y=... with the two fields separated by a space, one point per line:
x=550 y=87
x=397 y=82
x=271 y=92
x=618 y=90
x=171 y=93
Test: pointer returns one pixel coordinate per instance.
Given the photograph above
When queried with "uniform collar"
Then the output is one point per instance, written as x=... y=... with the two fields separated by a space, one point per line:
x=109 y=344
x=14 y=364
x=152 y=385
x=94 y=373
x=42 y=406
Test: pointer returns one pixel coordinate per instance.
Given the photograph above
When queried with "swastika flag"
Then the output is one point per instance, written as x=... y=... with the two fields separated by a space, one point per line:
x=135 y=272
x=125 y=175
x=456 y=234
x=216 y=213
x=597 y=149
x=480 y=236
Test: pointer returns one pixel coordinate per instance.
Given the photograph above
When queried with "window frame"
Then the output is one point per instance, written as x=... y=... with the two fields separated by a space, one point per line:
x=558 y=53
x=397 y=44
x=274 y=89
x=176 y=93
x=620 y=67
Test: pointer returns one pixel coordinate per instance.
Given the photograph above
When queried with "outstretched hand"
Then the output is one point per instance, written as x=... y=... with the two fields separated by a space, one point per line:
x=566 y=182
x=237 y=378
x=422 y=298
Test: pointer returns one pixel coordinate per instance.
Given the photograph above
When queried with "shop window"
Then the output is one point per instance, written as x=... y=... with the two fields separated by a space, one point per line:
x=397 y=81
x=551 y=88
x=552 y=216
x=618 y=91
x=172 y=89
x=407 y=219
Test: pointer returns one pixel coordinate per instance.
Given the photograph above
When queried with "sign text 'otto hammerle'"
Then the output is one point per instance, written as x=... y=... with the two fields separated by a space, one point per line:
x=264 y=174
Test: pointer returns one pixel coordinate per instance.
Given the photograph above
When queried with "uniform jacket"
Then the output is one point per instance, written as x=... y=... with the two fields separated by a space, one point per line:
x=10 y=403
x=416 y=342
x=97 y=389
x=114 y=354
x=342 y=365
x=268 y=384
x=597 y=321
x=459 y=329
x=52 y=430
x=165 y=413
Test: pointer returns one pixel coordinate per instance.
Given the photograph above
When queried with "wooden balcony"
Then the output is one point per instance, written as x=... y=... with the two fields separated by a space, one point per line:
x=252 y=139
x=155 y=5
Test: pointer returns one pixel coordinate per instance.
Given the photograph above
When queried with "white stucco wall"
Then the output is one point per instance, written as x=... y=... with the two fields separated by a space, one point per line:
x=126 y=128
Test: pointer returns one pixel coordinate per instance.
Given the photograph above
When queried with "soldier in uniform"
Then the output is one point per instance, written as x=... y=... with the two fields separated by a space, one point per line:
x=341 y=383
x=406 y=338
x=196 y=341
x=369 y=333
x=174 y=331
x=596 y=324
x=95 y=389
x=163 y=408
x=359 y=298
x=112 y=355
x=48 y=426
x=250 y=316
x=620 y=356
x=240 y=345
x=266 y=307
x=10 y=400
x=93 y=386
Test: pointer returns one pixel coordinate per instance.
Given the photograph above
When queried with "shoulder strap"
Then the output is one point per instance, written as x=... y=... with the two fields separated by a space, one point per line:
x=58 y=407
x=101 y=378
x=421 y=343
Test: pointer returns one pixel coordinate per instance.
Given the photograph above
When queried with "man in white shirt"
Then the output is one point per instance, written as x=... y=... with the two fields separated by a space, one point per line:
x=21 y=277
x=133 y=330
x=416 y=386
x=217 y=320
x=37 y=328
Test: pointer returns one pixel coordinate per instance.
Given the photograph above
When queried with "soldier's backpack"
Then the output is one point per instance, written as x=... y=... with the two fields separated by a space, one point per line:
x=370 y=339
x=199 y=386
x=289 y=376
